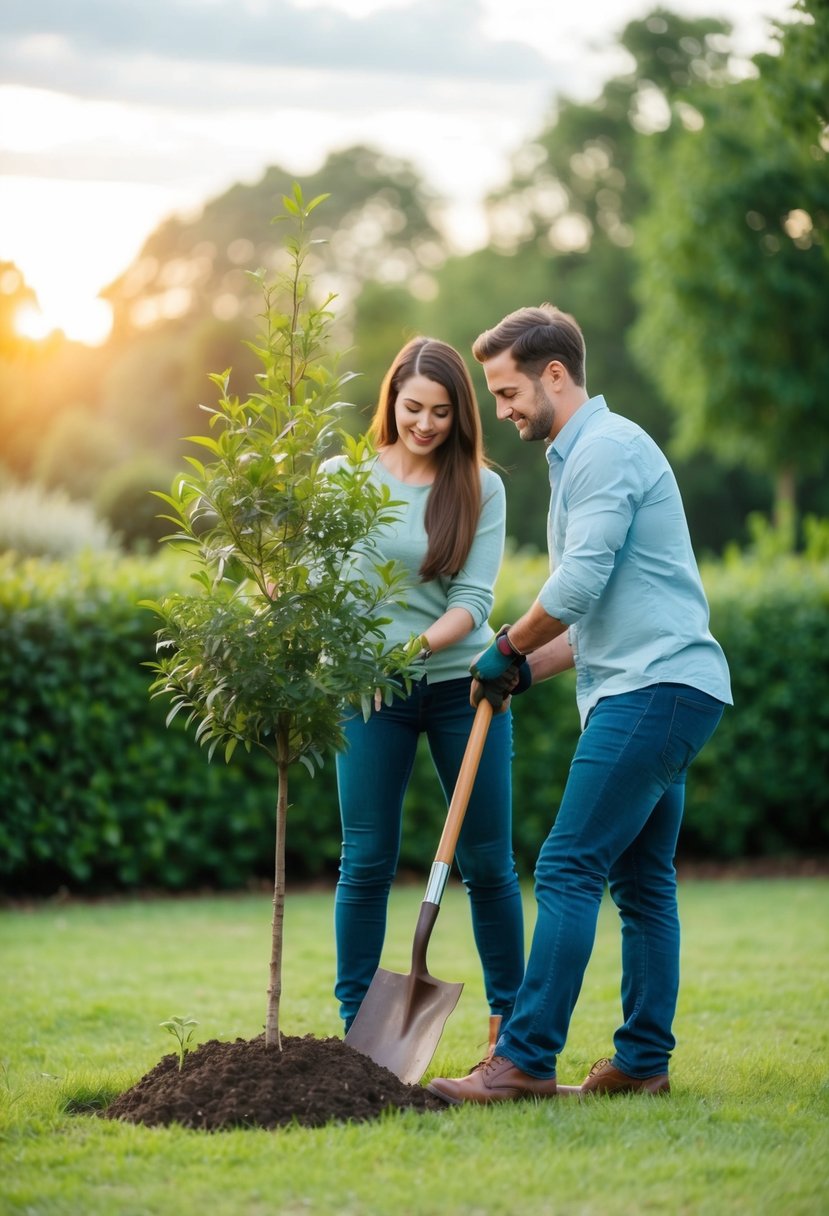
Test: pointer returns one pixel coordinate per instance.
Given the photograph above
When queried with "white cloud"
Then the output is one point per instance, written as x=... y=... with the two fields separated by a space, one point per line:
x=424 y=38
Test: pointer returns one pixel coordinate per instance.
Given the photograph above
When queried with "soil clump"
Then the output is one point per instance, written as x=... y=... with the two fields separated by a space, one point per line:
x=242 y=1083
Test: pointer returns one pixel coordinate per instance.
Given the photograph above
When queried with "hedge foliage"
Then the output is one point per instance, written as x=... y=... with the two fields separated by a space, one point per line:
x=759 y=787
x=97 y=794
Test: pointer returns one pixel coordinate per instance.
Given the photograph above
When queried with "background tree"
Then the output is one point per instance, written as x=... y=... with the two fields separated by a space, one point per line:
x=566 y=228
x=380 y=226
x=733 y=257
x=563 y=229
x=288 y=621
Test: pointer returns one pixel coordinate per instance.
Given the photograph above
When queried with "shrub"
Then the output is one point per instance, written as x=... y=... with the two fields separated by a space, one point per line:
x=758 y=788
x=39 y=523
x=95 y=792
x=124 y=498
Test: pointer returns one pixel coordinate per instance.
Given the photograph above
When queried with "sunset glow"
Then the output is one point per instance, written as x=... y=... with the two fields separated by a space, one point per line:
x=89 y=173
x=87 y=321
x=72 y=238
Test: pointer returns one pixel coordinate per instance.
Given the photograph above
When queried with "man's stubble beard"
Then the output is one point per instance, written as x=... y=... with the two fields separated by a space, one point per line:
x=540 y=427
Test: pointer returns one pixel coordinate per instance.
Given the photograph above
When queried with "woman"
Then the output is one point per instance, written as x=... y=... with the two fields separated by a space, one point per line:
x=450 y=536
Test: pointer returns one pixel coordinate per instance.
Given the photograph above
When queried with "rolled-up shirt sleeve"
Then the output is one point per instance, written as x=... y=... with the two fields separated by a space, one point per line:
x=603 y=488
x=473 y=586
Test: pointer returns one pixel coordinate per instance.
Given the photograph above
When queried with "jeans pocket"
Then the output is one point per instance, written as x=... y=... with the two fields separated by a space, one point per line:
x=693 y=722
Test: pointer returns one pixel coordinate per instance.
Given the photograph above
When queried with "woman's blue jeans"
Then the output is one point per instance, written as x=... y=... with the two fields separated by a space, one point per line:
x=618 y=824
x=372 y=775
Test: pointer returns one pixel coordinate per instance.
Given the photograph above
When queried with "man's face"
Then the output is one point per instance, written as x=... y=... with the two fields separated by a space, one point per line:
x=519 y=398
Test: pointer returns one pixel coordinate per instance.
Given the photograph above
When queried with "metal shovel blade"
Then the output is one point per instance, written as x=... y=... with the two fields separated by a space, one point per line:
x=401 y=1020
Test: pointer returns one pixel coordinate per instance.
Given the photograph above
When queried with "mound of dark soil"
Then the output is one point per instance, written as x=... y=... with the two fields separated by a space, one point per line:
x=244 y=1084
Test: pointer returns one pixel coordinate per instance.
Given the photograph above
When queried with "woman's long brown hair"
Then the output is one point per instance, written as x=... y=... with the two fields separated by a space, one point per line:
x=454 y=505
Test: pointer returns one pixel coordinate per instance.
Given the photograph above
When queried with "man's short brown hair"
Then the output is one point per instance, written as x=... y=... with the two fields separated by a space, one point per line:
x=535 y=336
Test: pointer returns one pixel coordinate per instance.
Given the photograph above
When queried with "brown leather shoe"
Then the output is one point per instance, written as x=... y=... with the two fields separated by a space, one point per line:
x=494 y=1080
x=603 y=1078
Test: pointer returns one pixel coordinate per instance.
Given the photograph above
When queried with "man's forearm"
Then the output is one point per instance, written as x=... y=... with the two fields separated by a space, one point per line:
x=535 y=629
x=551 y=659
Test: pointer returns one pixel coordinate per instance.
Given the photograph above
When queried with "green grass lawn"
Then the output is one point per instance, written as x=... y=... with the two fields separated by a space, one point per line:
x=83 y=988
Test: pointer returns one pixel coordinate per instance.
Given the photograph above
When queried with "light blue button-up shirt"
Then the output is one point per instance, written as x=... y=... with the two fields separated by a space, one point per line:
x=623 y=573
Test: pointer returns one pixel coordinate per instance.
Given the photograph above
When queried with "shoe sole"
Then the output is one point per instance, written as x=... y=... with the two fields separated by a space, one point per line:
x=562 y=1091
x=661 y=1092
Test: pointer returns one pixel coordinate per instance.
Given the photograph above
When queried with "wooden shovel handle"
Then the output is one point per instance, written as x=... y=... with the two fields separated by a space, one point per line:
x=464 y=783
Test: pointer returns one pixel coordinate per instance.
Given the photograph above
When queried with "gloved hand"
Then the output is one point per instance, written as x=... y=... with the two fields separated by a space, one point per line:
x=515 y=680
x=499 y=670
x=498 y=657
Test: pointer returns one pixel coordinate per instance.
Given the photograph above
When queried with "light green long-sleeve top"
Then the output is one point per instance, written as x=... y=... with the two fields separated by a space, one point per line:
x=471 y=588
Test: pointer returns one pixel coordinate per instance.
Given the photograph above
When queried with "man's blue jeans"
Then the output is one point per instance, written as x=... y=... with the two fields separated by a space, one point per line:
x=618 y=824
x=372 y=775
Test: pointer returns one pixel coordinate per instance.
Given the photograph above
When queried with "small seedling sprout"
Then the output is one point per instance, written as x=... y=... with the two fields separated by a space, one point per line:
x=178 y=1027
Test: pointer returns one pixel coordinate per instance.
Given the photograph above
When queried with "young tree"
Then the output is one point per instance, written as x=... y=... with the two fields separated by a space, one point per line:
x=286 y=625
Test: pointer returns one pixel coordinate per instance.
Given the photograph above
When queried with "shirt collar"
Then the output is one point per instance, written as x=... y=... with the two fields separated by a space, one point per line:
x=569 y=433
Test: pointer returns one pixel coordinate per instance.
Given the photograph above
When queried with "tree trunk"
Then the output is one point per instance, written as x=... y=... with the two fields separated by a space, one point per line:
x=272 y=1036
x=785 y=501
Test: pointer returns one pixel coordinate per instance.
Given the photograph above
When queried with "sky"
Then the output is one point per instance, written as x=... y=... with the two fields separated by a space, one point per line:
x=115 y=114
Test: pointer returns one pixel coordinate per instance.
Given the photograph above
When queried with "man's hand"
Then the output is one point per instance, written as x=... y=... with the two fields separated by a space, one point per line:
x=498 y=672
x=514 y=680
x=498 y=657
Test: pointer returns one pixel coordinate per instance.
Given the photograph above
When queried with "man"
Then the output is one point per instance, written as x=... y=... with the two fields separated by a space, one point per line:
x=624 y=604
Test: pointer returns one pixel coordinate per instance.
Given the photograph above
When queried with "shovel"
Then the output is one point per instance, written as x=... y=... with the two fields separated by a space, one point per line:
x=402 y=1017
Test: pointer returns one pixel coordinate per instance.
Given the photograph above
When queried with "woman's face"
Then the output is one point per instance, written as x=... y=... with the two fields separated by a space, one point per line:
x=424 y=414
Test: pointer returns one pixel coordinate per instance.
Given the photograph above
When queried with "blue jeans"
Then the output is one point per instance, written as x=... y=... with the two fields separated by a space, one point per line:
x=618 y=824
x=372 y=775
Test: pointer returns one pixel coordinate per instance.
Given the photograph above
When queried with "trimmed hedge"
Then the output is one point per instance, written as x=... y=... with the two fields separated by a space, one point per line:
x=97 y=794
x=759 y=786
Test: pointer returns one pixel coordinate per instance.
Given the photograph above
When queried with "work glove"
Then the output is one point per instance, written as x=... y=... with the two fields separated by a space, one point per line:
x=499 y=670
x=515 y=680
x=498 y=657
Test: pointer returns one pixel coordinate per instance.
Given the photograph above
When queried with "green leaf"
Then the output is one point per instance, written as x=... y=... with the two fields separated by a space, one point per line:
x=206 y=442
x=179 y=705
x=315 y=202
